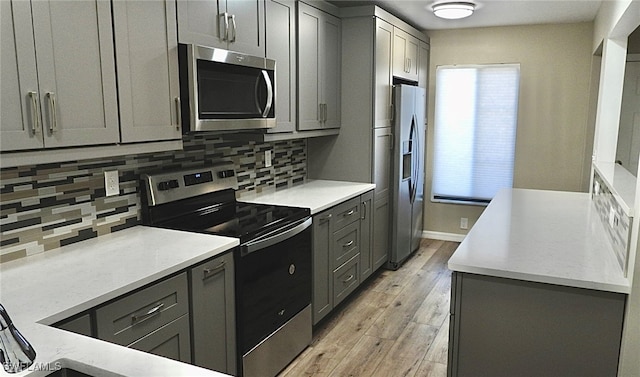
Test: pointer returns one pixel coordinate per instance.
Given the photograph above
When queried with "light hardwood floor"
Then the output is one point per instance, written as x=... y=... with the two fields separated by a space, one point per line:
x=397 y=324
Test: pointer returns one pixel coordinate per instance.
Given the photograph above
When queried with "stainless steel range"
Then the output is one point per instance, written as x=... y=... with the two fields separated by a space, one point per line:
x=272 y=264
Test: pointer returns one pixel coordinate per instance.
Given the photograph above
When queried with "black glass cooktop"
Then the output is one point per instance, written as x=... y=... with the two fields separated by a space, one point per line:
x=246 y=221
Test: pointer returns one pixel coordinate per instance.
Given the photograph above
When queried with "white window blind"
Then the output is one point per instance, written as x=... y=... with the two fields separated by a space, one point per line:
x=476 y=112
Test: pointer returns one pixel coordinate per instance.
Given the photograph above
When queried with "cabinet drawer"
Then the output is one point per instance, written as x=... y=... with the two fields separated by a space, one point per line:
x=346 y=244
x=138 y=314
x=345 y=279
x=345 y=214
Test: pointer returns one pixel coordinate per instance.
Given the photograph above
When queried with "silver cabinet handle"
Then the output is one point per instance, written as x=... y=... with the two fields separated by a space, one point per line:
x=233 y=25
x=408 y=65
x=224 y=35
x=53 y=122
x=325 y=219
x=348 y=244
x=153 y=311
x=178 y=113
x=326 y=112
x=320 y=112
x=364 y=210
x=35 y=113
x=350 y=213
x=209 y=272
x=348 y=279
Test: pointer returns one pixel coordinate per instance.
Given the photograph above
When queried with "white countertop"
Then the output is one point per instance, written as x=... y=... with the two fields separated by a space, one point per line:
x=45 y=288
x=542 y=236
x=317 y=195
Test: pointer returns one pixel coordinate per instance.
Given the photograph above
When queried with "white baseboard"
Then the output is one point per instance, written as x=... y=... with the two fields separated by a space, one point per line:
x=443 y=236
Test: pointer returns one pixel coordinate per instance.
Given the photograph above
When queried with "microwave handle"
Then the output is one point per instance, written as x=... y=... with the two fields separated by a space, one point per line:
x=269 y=103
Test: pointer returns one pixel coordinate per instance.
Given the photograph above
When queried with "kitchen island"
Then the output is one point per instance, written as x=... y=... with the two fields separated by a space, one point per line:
x=536 y=290
x=40 y=290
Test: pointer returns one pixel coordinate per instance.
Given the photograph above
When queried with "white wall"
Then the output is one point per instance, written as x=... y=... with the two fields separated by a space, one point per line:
x=615 y=21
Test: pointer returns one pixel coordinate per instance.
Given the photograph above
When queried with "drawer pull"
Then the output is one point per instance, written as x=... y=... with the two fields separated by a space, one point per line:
x=350 y=213
x=348 y=244
x=153 y=311
x=209 y=272
x=345 y=281
x=325 y=219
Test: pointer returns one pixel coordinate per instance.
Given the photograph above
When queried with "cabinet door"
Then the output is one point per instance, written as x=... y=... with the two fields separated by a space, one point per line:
x=405 y=55
x=309 y=55
x=76 y=72
x=322 y=271
x=246 y=25
x=366 y=235
x=382 y=193
x=21 y=123
x=147 y=57
x=170 y=341
x=281 y=47
x=423 y=61
x=383 y=74
x=213 y=312
x=200 y=22
x=331 y=61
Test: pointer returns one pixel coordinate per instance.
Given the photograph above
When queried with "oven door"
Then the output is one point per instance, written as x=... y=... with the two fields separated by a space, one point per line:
x=273 y=282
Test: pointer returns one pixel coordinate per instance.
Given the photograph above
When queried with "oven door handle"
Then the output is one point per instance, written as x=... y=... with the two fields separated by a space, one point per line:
x=283 y=235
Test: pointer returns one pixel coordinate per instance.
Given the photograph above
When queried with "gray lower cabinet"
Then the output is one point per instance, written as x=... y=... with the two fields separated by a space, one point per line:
x=154 y=319
x=213 y=314
x=79 y=325
x=342 y=240
x=507 y=327
x=366 y=236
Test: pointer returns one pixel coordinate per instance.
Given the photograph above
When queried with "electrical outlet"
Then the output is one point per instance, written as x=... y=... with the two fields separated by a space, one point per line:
x=111 y=183
x=267 y=158
x=464 y=223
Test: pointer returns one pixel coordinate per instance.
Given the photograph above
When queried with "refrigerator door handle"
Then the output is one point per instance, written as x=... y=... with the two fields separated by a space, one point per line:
x=415 y=145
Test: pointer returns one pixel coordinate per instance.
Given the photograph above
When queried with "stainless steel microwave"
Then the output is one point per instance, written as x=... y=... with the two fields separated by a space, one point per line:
x=225 y=90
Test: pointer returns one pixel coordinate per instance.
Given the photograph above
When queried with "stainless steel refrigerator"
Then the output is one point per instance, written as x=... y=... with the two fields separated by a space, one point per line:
x=407 y=179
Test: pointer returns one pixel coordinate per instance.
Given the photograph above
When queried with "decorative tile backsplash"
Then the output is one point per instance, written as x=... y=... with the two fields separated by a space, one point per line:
x=620 y=233
x=46 y=206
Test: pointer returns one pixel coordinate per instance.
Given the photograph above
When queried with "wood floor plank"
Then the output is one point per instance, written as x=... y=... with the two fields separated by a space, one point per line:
x=364 y=358
x=397 y=323
x=435 y=308
x=439 y=350
x=408 y=352
x=431 y=369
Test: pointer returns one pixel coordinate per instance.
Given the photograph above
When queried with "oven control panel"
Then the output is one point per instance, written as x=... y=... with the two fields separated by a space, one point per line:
x=165 y=187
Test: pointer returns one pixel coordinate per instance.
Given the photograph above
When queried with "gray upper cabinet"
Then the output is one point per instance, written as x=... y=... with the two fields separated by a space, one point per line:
x=236 y=25
x=319 y=71
x=405 y=55
x=281 y=47
x=147 y=57
x=383 y=74
x=59 y=89
x=423 y=69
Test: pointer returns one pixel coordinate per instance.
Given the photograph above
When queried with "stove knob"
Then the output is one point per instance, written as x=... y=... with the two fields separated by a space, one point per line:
x=173 y=183
x=163 y=186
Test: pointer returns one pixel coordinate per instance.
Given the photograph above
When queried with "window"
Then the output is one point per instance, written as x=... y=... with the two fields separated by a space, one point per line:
x=476 y=112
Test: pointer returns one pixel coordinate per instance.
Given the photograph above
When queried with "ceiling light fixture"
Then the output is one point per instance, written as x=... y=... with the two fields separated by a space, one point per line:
x=454 y=10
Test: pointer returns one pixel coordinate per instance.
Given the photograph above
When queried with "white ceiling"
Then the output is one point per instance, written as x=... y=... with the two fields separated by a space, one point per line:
x=489 y=12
